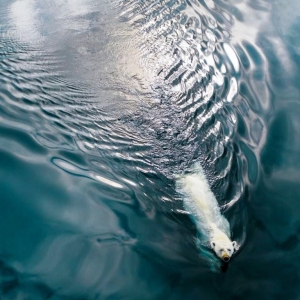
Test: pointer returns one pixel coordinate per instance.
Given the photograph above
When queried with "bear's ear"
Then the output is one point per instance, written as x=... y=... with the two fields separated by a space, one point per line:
x=213 y=244
x=234 y=244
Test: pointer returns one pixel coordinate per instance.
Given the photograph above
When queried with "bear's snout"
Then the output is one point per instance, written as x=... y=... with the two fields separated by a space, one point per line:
x=226 y=258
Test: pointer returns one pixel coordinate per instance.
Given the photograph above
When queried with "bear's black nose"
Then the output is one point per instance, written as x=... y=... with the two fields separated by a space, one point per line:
x=226 y=259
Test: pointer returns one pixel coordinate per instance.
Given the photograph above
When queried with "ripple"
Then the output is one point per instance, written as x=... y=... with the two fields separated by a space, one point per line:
x=210 y=94
x=183 y=44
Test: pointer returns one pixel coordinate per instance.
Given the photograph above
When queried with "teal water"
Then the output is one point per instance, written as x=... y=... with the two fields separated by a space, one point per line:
x=102 y=103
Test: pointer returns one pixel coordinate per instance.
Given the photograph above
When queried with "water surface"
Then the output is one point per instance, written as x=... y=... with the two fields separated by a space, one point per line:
x=103 y=103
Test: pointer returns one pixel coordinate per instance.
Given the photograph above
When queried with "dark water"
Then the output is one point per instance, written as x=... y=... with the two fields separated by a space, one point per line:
x=102 y=103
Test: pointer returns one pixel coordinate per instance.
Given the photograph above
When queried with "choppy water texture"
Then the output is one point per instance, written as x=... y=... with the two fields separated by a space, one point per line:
x=103 y=103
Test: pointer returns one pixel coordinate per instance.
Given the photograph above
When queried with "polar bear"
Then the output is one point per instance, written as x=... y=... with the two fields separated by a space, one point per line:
x=201 y=203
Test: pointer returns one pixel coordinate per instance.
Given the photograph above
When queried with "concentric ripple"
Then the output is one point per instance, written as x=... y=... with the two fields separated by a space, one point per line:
x=194 y=114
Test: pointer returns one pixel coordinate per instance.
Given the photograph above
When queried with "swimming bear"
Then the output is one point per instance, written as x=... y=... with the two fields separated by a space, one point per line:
x=200 y=201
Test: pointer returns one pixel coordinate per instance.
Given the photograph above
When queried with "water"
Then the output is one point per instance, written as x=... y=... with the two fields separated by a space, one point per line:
x=102 y=103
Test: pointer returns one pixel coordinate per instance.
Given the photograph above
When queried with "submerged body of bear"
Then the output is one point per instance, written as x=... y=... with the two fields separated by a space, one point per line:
x=200 y=201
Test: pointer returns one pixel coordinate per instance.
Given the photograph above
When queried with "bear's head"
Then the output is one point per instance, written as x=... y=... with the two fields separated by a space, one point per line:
x=224 y=249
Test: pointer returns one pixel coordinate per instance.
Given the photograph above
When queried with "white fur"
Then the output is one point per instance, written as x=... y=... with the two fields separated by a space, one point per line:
x=200 y=201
